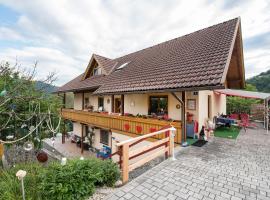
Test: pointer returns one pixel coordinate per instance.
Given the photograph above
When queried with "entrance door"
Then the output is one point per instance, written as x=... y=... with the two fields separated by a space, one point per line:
x=117 y=105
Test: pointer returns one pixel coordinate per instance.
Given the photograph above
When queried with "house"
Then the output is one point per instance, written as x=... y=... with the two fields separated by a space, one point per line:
x=138 y=93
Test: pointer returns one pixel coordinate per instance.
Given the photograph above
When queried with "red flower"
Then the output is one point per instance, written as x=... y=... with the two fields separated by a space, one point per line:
x=127 y=127
x=138 y=129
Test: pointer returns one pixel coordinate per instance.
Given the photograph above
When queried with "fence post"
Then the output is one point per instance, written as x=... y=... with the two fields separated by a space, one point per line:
x=167 y=135
x=172 y=135
x=125 y=159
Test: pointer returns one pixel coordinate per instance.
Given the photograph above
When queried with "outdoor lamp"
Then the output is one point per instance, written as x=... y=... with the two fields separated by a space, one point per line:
x=21 y=174
x=63 y=161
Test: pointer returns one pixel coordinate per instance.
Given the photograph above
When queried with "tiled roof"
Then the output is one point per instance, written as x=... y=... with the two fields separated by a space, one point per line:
x=78 y=84
x=194 y=60
x=106 y=63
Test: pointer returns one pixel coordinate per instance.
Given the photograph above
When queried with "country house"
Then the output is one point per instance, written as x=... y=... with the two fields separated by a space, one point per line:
x=168 y=83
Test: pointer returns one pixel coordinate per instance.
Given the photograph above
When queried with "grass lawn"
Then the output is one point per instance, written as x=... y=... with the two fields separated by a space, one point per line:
x=190 y=141
x=226 y=132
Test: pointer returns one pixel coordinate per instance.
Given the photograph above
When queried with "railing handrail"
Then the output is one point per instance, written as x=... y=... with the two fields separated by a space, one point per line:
x=175 y=123
x=133 y=140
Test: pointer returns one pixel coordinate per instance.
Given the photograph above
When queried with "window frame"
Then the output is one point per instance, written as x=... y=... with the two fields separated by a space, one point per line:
x=158 y=96
x=101 y=138
x=99 y=100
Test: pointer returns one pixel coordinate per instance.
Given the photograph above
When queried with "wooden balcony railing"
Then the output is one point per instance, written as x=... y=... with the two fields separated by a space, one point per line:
x=123 y=124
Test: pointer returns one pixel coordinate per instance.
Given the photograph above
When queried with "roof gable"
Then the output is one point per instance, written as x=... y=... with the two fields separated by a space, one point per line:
x=106 y=65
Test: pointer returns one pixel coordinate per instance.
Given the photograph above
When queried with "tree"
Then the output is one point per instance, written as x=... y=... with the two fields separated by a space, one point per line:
x=23 y=105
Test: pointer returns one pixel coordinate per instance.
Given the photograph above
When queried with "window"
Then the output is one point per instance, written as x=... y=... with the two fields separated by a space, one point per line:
x=122 y=66
x=104 y=137
x=100 y=102
x=96 y=70
x=158 y=105
x=86 y=102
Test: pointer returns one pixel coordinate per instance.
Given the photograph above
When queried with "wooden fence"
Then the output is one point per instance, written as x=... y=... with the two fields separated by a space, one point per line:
x=163 y=146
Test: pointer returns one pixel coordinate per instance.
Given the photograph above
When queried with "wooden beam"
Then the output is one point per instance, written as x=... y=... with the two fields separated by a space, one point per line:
x=112 y=104
x=148 y=158
x=137 y=152
x=82 y=100
x=184 y=116
x=122 y=104
x=64 y=132
x=64 y=100
x=125 y=158
x=82 y=138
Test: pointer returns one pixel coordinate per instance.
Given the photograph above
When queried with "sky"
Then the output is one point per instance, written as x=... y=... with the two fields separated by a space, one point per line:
x=62 y=35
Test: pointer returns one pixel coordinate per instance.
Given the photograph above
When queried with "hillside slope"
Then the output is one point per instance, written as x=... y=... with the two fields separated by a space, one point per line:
x=261 y=81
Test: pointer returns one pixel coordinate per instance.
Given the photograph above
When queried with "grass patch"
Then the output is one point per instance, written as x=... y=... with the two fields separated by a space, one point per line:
x=227 y=132
x=190 y=141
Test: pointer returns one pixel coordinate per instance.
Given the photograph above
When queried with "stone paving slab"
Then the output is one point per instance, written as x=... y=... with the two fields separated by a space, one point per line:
x=222 y=169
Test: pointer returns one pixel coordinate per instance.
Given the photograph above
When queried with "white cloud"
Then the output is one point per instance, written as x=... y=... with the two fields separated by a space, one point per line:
x=9 y=34
x=64 y=34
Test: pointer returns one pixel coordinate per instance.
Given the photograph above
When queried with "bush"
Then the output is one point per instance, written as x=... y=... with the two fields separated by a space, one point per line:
x=76 y=180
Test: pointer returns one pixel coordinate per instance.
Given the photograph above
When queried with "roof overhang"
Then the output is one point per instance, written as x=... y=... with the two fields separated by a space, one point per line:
x=244 y=94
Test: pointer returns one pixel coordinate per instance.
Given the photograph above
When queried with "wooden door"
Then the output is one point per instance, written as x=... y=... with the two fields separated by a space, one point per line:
x=117 y=103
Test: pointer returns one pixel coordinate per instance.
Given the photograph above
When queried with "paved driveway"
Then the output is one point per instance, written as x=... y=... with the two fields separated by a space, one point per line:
x=222 y=169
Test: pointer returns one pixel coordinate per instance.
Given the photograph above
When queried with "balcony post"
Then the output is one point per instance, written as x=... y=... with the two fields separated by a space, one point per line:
x=112 y=104
x=184 y=115
x=82 y=138
x=64 y=128
x=122 y=104
x=83 y=101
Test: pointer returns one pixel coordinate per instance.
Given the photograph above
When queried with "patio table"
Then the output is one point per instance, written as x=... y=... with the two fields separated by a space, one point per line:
x=225 y=121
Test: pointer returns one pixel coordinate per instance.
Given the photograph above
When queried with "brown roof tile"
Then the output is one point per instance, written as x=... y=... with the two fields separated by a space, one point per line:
x=194 y=60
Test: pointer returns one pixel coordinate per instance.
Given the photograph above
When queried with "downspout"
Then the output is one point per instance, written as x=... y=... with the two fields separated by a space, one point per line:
x=183 y=118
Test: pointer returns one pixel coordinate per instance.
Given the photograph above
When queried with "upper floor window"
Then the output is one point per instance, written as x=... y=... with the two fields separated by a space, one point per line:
x=97 y=70
x=158 y=105
x=100 y=103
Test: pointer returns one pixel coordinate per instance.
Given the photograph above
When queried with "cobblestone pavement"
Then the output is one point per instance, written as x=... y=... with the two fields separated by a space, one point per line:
x=222 y=169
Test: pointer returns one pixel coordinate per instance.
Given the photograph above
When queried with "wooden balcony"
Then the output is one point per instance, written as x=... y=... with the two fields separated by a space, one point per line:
x=122 y=124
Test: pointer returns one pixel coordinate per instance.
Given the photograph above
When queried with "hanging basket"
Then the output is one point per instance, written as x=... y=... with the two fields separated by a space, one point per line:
x=42 y=157
x=1 y=150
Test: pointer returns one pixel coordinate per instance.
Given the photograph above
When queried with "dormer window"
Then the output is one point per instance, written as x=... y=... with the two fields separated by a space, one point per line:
x=96 y=70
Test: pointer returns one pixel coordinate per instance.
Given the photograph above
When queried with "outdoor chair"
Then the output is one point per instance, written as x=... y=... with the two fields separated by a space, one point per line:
x=104 y=153
x=245 y=122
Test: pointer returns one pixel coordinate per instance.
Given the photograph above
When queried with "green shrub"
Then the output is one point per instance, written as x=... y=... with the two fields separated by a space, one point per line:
x=76 y=180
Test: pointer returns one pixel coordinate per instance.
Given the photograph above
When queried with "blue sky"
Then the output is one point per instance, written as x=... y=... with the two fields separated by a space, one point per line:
x=61 y=35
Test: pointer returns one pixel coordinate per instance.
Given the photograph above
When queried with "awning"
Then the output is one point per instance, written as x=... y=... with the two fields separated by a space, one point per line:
x=252 y=95
x=244 y=93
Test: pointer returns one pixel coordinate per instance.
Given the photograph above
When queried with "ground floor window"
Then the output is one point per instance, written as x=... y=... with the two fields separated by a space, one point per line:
x=158 y=105
x=104 y=137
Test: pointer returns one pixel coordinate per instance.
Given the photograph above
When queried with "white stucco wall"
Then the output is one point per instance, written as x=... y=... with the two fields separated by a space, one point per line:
x=77 y=128
x=138 y=103
x=93 y=101
x=78 y=101
x=218 y=105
